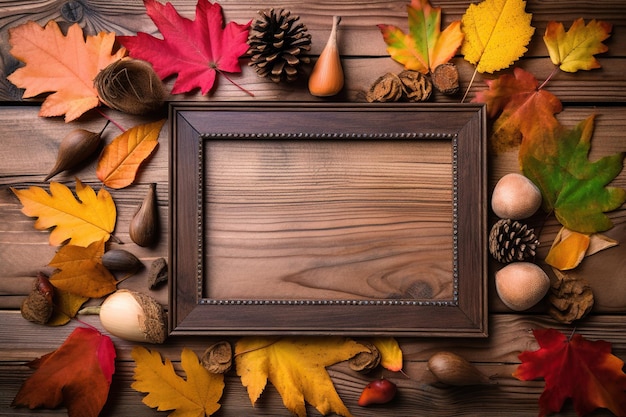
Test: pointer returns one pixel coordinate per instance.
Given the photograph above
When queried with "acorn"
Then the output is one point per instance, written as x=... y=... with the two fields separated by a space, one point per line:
x=515 y=197
x=144 y=227
x=75 y=148
x=327 y=77
x=38 y=306
x=134 y=316
x=521 y=285
x=121 y=260
x=452 y=369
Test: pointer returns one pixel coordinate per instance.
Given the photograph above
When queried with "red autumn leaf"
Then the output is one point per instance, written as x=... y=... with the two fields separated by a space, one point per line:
x=196 y=50
x=575 y=368
x=521 y=107
x=77 y=374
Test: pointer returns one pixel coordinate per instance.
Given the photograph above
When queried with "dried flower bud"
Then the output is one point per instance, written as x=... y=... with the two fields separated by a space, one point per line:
x=131 y=86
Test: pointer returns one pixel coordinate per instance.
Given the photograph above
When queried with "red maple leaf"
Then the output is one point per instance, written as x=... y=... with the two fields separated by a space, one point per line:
x=575 y=368
x=522 y=108
x=77 y=374
x=196 y=50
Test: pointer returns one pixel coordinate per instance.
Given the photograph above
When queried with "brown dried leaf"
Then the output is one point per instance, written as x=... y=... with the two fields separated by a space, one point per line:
x=571 y=297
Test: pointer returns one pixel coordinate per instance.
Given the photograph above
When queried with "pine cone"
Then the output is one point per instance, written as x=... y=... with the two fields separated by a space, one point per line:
x=276 y=42
x=512 y=241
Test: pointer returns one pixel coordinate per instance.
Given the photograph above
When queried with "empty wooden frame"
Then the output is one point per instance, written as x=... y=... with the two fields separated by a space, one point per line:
x=355 y=219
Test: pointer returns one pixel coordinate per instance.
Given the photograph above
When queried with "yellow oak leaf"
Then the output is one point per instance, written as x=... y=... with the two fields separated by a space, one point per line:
x=297 y=368
x=64 y=65
x=80 y=222
x=390 y=353
x=496 y=33
x=120 y=160
x=570 y=248
x=575 y=49
x=80 y=271
x=196 y=396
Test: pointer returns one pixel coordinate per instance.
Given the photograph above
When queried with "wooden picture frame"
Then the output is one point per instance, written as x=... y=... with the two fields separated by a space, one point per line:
x=320 y=218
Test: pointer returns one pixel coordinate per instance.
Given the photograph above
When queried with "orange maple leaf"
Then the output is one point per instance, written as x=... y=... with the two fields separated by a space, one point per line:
x=81 y=271
x=521 y=107
x=65 y=65
x=575 y=368
x=120 y=160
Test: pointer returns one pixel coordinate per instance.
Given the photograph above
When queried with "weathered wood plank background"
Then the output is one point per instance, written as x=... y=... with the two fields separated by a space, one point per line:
x=28 y=147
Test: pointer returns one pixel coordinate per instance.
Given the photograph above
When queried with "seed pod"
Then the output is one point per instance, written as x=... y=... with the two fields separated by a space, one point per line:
x=120 y=260
x=75 y=148
x=130 y=86
x=38 y=306
x=445 y=78
x=365 y=361
x=157 y=273
x=452 y=369
x=218 y=358
x=380 y=391
x=134 y=316
x=327 y=78
x=144 y=227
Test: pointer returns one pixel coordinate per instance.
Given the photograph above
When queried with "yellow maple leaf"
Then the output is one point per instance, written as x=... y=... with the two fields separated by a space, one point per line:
x=390 y=353
x=196 y=396
x=575 y=49
x=120 y=160
x=80 y=271
x=65 y=65
x=84 y=221
x=496 y=33
x=297 y=368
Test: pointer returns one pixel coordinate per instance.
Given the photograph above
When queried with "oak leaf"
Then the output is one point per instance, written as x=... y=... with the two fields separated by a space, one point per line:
x=80 y=222
x=522 y=109
x=390 y=352
x=572 y=186
x=575 y=368
x=297 y=368
x=120 y=160
x=196 y=396
x=80 y=271
x=496 y=33
x=78 y=374
x=425 y=47
x=196 y=49
x=64 y=65
x=575 y=49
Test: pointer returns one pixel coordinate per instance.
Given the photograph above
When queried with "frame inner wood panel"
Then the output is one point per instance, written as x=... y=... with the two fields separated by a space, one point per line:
x=328 y=219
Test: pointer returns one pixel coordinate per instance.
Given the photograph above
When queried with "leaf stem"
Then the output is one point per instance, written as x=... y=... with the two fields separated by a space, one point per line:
x=470 y=84
x=554 y=71
x=250 y=93
x=103 y=114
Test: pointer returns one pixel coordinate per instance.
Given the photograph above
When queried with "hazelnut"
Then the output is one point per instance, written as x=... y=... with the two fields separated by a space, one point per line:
x=521 y=285
x=515 y=197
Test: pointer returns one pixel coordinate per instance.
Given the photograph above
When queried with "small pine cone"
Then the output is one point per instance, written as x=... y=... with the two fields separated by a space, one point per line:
x=512 y=241
x=276 y=43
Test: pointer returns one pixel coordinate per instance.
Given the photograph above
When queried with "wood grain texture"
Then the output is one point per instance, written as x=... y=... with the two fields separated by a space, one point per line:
x=28 y=146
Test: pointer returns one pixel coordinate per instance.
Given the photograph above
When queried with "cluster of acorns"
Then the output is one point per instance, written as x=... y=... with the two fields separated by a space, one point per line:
x=521 y=283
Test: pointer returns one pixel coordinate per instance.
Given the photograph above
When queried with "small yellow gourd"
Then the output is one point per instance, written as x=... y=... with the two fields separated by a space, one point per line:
x=327 y=77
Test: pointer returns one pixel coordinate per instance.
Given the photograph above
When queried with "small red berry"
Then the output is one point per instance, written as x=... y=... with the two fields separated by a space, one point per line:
x=377 y=392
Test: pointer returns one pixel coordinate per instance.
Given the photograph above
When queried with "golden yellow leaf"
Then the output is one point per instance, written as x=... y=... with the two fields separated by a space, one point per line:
x=568 y=249
x=120 y=160
x=196 y=396
x=89 y=219
x=66 y=306
x=65 y=65
x=390 y=352
x=496 y=33
x=297 y=368
x=80 y=271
